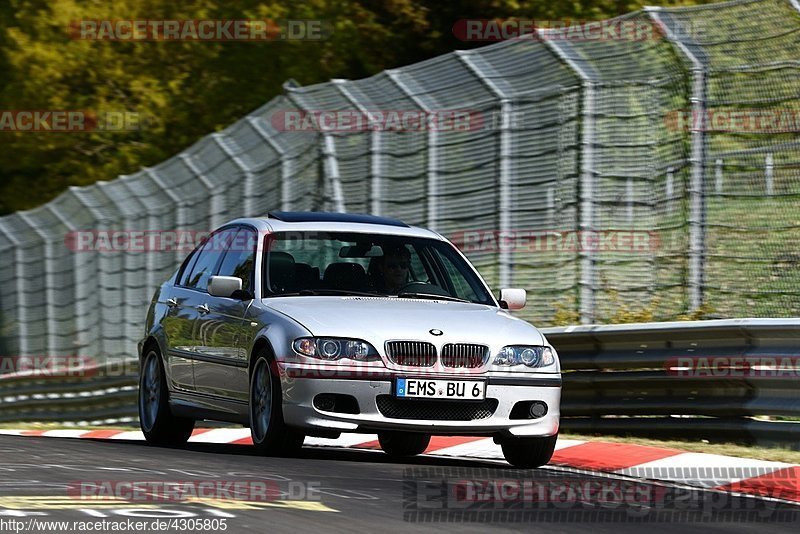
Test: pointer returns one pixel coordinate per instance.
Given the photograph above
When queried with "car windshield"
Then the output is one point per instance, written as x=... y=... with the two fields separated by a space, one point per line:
x=333 y=263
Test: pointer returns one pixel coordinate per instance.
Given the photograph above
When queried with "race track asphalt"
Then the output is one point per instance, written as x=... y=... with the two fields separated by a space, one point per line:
x=339 y=490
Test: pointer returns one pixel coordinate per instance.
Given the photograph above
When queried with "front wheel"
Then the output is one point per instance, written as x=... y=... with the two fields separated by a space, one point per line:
x=403 y=444
x=528 y=453
x=270 y=434
x=158 y=424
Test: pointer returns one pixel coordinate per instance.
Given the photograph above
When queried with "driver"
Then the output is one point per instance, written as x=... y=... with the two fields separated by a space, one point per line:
x=393 y=268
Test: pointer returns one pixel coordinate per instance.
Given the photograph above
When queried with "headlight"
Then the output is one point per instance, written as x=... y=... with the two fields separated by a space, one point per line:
x=333 y=349
x=525 y=355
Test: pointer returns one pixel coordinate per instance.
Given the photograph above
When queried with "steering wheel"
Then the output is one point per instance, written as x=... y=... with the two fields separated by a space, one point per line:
x=415 y=283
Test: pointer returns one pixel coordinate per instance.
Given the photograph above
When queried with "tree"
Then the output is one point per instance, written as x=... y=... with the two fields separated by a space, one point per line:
x=185 y=90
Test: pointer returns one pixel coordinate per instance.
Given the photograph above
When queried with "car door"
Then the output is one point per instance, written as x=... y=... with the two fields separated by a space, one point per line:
x=186 y=302
x=179 y=325
x=221 y=365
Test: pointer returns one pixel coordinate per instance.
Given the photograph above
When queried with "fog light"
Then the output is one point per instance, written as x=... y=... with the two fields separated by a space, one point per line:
x=325 y=402
x=538 y=409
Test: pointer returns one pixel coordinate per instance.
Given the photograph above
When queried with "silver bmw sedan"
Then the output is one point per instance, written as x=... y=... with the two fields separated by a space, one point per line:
x=314 y=324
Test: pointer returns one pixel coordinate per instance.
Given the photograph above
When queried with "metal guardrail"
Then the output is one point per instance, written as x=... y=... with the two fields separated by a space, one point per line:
x=661 y=380
x=728 y=380
x=96 y=395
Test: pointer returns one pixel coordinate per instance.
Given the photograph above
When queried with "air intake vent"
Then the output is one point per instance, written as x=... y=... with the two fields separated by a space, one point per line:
x=411 y=353
x=435 y=410
x=464 y=355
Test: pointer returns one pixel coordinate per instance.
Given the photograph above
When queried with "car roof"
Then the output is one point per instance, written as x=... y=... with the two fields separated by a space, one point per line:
x=324 y=216
x=310 y=221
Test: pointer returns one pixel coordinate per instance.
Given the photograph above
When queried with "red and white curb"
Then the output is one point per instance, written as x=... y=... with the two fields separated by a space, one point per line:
x=739 y=475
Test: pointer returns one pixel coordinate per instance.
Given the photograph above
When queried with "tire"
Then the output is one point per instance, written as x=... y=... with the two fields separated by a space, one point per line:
x=528 y=453
x=401 y=444
x=158 y=424
x=270 y=434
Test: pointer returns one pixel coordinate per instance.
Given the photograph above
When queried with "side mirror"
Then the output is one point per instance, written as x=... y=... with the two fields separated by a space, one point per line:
x=513 y=298
x=224 y=286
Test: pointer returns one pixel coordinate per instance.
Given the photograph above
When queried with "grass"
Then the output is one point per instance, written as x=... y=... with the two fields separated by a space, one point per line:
x=725 y=449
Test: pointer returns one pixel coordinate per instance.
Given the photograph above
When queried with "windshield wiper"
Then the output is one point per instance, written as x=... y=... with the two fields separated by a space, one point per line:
x=321 y=292
x=431 y=296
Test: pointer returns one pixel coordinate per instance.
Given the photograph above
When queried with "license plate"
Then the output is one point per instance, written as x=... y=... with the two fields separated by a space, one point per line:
x=425 y=388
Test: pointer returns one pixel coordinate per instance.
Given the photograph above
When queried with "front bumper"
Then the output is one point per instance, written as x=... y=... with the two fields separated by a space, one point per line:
x=299 y=411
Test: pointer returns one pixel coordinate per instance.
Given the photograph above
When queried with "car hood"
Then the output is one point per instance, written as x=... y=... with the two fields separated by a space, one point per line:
x=378 y=319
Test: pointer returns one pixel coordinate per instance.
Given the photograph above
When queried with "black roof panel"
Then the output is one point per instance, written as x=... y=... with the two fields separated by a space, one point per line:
x=323 y=216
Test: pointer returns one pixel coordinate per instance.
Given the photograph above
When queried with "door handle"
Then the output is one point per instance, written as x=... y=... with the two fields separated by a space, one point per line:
x=203 y=308
x=172 y=303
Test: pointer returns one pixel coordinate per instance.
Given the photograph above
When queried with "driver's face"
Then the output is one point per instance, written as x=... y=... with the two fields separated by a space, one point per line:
x=395 y=271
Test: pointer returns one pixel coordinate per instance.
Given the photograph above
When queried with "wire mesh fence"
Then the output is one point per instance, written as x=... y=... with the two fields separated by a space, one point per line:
x=613 y=178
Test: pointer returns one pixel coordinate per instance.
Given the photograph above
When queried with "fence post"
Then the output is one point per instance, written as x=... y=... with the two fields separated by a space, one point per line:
x=330 y=164
x=718 y=176
x=433 y=152
x=769 y=168
x=81 y=325
x=505 y=261
x=670 y=183
x=49 y=284
x=376 y=185
x=22 y=308
x=216 y=200
x=286 y=164
x=587 y=283
x=629 y=199
x=697 y=207
x=100 y=266
x=332 y=172
x=224 y=141
x=180 y=217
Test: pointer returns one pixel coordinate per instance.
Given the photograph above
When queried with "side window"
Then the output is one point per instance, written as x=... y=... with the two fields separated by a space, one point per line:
x=208 y=258
x=240 y=258
x=188 y=264
x=416 y=270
